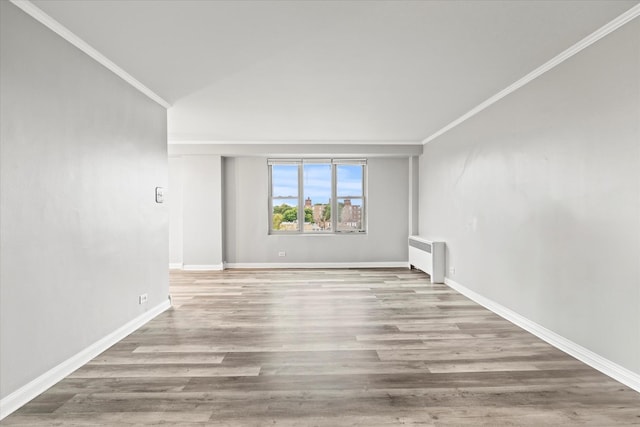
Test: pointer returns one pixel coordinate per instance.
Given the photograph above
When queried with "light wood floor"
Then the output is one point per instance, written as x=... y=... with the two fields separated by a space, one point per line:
x=329 y=348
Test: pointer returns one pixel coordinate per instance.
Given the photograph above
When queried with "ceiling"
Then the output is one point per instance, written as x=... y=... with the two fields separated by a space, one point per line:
x=327 y=71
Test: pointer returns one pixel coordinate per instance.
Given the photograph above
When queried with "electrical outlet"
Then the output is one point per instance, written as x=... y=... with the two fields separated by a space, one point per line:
x=282 y=253
x=142 y=299
x=452 y=271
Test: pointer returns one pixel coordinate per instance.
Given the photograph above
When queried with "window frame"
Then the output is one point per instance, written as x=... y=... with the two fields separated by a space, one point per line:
x=270 y=164
x=333 y=204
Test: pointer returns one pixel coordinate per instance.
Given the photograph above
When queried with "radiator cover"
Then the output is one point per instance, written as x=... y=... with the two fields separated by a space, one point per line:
x=428 y=256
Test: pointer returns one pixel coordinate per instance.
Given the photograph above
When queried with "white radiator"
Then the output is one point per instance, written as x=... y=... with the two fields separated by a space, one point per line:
x=427 y=256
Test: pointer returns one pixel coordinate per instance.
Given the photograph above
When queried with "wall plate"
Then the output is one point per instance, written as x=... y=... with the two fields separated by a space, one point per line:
x=159 y=195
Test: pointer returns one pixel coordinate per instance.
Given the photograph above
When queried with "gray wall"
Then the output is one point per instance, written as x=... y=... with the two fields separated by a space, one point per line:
x=538 y=199
x=218 y=205
x=174 y=201
x=246 y=218
x=81 y=235
x=202 y=210
x=219 y=213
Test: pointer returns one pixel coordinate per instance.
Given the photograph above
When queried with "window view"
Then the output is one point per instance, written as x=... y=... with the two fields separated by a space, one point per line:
x=317 y=196
x=349 y=195
x=320 y=187
x=284 y=187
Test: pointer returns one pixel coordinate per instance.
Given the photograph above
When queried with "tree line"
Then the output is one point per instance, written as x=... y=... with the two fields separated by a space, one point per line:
x=286 y=213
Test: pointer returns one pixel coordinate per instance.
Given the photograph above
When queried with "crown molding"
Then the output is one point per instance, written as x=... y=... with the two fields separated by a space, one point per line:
x=618 y=22
x=178 y=141
x=295 y=150
x=40 y=16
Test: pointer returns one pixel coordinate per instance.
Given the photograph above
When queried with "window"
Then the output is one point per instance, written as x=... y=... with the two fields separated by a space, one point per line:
x=350 y=196
x=330 y=191
x=316 y=184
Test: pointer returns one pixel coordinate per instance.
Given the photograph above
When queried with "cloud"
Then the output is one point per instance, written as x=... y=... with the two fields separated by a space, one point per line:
x=317 y=181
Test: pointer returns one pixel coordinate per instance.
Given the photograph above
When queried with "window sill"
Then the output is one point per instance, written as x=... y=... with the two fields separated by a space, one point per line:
x=339 y=233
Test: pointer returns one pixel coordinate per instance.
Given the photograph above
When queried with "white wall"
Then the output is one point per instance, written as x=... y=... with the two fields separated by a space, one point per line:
x=195 y=200
x=81 y=234
x=174 y=201
x=414 y=195
x=538 y=199
x=246 y=216
x=202 y=211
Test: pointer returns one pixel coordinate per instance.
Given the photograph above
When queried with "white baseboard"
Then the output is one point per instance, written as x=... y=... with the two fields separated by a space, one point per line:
x=390 y=264
x=203 y=267
x=39 y=385
x=607 y=367
x=175 y=266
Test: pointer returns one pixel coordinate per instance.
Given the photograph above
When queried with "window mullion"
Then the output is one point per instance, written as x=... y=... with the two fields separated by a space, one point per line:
x=363 y=219
x=300 y=199
x=334 y=202
x=270 y=207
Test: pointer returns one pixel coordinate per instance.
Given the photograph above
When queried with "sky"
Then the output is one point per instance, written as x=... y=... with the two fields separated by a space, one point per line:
x=316 y=181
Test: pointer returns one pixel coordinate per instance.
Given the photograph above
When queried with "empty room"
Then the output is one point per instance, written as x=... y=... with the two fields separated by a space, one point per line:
x=320 y=213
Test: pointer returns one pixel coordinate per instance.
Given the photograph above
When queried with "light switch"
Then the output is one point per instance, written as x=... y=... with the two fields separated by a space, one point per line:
x=159 y=195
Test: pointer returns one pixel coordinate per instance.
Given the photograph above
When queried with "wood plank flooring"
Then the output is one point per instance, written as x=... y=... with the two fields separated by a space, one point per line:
x=329 y=348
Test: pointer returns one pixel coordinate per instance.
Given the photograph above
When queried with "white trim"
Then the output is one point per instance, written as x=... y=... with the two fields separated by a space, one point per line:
x=388 y=264
x=176 y=140
x=39 y=385
x=606 y=366
x=555 y=61
x=175 y=266
x=40 y=16
x=203 y=267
